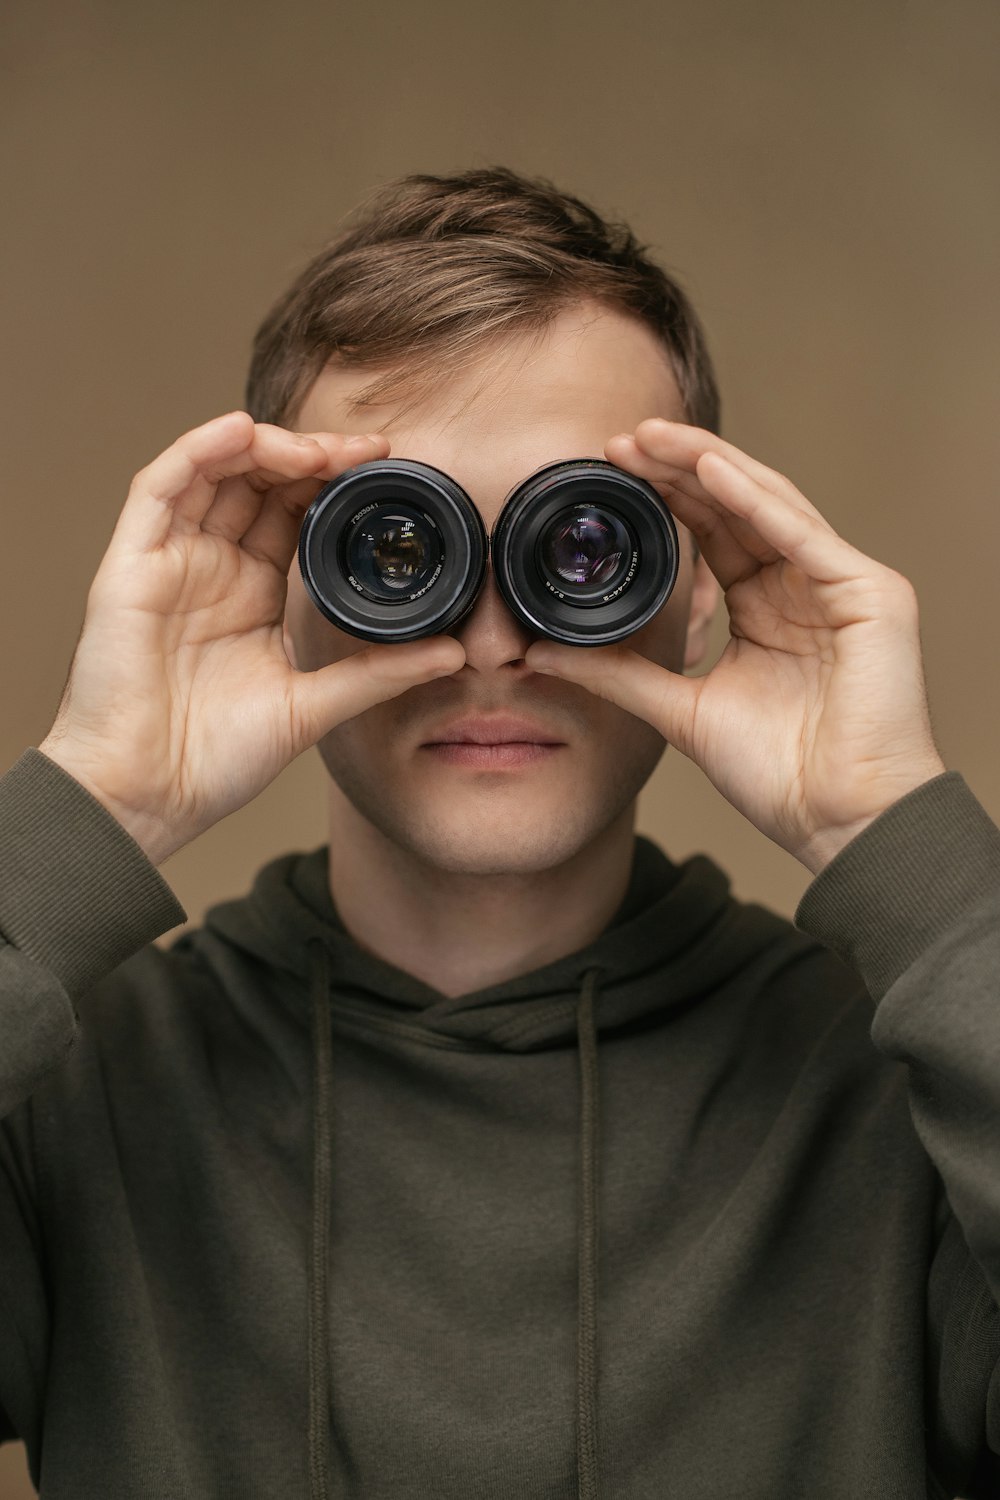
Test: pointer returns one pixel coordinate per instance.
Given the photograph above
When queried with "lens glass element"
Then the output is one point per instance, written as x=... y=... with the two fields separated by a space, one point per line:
x=585 y=545
x=392 y=552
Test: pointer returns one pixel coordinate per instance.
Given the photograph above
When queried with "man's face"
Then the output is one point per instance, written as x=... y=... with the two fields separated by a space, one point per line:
x=592 y=374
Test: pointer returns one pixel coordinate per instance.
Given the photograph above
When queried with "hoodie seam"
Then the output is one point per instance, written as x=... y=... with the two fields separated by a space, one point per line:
x=517 y=1030
x=341 y=1020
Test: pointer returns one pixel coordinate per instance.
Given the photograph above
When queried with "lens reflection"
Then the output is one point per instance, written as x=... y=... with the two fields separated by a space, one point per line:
x=398 y=553
x=585 y=546
x=392 y=555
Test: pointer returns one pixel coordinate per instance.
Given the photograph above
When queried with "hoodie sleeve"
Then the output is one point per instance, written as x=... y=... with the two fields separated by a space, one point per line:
x=913 y=904
x=77 y=897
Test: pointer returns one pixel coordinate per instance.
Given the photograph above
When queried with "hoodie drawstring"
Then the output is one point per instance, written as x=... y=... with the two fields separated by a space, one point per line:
x=319 y=1258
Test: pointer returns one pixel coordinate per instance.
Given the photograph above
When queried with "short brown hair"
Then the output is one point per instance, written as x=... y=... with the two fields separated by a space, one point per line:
x=435 y=267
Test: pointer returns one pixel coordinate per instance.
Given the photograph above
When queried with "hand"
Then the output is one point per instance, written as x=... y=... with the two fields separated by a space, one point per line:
x=181 y=704
x=814 y=720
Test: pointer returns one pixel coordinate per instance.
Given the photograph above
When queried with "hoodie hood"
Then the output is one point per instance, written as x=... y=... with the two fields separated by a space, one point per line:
x=677 y=936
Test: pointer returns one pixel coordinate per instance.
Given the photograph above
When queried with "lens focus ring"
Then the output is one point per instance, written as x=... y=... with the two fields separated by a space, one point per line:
x=393 y=550
x=585 y=552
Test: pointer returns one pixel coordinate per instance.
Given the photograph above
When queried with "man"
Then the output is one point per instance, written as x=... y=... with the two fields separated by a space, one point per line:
x=608 y=1192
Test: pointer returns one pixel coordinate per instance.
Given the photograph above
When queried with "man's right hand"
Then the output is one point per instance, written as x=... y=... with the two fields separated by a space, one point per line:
x=181 y=703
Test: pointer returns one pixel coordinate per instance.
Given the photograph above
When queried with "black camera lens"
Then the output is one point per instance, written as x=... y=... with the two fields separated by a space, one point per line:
x=584 y=552
x=393 y=550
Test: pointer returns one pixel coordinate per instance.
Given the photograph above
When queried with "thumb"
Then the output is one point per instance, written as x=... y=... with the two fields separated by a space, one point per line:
x=663 y=698
x=325 y=698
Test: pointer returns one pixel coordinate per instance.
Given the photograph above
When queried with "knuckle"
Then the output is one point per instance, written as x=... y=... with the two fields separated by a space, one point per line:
x=901 y=586
x=144 y=480
x=900 y=592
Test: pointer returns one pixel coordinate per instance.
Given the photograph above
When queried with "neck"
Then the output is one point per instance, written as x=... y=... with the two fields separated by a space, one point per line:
x=459 y=932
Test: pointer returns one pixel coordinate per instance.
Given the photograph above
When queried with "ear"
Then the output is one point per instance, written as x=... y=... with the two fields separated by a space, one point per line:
x=704 y=600
x=287 y=635
x=293 y=610
x=288 y=643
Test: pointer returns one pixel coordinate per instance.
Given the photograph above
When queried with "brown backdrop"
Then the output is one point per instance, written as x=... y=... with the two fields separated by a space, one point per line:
x=822 y=178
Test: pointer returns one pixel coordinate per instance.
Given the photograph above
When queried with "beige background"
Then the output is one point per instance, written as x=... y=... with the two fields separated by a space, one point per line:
x=823 y=179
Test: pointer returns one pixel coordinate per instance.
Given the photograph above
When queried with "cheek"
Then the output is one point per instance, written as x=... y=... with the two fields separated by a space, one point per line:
x=664 y=638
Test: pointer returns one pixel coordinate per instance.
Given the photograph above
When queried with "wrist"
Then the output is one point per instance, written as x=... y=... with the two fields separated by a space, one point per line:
x=826 y=843
x=147 y=831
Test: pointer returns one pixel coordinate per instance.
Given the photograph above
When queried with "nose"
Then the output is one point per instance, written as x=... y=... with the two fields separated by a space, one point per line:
x=491 y=635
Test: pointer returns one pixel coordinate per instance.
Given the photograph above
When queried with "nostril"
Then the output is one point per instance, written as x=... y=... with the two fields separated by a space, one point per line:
x=491 y=635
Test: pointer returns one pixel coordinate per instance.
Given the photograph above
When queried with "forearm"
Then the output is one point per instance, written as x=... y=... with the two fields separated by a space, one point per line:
x=913 y=904
x=77 y=897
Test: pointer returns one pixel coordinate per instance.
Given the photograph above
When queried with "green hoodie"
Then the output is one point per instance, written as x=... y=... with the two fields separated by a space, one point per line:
x=710 y=1208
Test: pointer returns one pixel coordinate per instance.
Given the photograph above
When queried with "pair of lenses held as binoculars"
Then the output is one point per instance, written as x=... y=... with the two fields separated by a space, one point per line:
x=583 y=552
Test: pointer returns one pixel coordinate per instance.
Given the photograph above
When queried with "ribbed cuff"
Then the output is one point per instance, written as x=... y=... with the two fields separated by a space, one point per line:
x=77 y=893
x=895 y=889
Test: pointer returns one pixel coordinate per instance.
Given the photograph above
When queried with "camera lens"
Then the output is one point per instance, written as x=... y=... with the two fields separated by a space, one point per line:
x=392 y=550
x=586 y=549
x=585 y=552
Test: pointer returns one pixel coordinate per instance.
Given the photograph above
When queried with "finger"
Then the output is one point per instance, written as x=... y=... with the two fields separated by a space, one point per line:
x=801 y=536
x=732 y=550
x=274 y=535
x=185 y=475
x=273 y=456
x=176 y=490
x=679 y=446
x=243 y=500
x=331 y=695
x=664 y=699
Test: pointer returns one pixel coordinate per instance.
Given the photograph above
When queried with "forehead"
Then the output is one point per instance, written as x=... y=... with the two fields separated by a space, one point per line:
x=531 y=400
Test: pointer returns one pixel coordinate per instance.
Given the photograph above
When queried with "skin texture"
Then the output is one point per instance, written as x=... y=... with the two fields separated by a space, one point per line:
x=466 y=877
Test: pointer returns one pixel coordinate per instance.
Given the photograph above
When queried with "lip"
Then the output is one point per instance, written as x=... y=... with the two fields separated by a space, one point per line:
x=499 y=730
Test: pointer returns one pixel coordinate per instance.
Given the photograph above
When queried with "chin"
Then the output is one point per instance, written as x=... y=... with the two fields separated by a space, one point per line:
x=481 y=825
x=480 y=832
x=499 y=831
x=487 y=846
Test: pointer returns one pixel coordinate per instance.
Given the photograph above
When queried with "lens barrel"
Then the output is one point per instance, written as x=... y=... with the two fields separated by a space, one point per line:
x=393 y=550
x=583 y=552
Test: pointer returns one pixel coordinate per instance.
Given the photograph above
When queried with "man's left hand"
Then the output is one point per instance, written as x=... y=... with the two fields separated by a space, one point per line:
x=814 y=720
